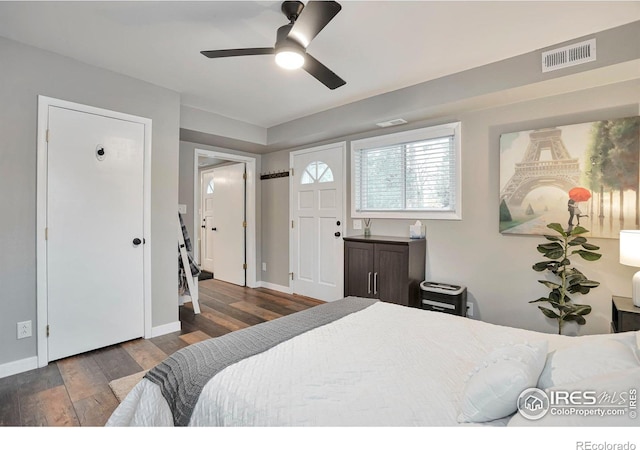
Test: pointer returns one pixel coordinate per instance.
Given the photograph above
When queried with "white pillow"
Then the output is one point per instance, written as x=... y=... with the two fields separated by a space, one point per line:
x=595 y=356
x=492 y=390
x=614 y=382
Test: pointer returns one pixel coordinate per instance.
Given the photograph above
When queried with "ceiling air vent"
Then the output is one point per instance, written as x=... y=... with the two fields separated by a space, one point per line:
x=571 y=55
x=390 y=123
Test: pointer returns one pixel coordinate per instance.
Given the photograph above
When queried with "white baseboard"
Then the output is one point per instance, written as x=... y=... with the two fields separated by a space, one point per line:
x=165 y=329
x=22 y=365
x=275 y=287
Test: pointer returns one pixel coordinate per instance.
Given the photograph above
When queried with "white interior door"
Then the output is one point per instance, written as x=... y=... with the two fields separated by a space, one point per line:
x=317 y=213
x=227 y=229
x=207 y=195
x=95 y=277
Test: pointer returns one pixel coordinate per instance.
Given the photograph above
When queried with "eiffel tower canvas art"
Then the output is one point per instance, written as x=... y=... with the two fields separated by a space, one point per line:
x=583 y=174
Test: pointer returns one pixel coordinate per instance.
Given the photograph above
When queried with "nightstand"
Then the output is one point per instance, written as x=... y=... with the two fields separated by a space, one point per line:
x=625 y=316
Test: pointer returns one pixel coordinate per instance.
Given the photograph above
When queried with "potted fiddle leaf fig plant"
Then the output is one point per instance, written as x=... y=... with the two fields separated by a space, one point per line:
x=569 y=279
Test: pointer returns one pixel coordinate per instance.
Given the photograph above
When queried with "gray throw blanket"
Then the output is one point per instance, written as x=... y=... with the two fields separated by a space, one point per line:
x=182 y=376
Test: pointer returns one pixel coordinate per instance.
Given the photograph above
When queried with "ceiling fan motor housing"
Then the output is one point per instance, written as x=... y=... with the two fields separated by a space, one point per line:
x=283 y=41
x=292 y=10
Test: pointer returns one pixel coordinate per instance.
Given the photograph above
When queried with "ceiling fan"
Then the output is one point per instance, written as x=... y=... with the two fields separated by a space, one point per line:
x=305 y=22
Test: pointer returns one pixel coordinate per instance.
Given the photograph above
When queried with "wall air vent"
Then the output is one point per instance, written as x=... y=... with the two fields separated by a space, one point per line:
x=390 y=123
x=571 y=55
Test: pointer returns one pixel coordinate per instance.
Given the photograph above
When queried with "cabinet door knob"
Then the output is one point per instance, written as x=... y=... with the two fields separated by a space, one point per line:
x=137 y=242
x=336 y=234
x=369 y=284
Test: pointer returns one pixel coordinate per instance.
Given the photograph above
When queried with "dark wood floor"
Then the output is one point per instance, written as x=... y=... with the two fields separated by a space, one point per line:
x=75 y=391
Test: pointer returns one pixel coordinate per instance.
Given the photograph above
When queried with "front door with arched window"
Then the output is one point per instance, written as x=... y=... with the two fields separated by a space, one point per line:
x=317 y=212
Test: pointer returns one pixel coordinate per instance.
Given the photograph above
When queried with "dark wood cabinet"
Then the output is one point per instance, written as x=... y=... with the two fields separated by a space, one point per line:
x=358 y=268
x=388 y=268
x=625 y=316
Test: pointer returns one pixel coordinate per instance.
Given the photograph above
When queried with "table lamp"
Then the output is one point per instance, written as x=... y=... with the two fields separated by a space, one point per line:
x=630 y=256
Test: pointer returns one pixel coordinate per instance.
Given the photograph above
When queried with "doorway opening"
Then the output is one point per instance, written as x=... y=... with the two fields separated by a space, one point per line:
x=212 y=171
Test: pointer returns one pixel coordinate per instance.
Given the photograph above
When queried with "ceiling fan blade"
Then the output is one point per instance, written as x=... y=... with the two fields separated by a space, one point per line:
x=322 y=73
x=313 y=18
x=239 y=52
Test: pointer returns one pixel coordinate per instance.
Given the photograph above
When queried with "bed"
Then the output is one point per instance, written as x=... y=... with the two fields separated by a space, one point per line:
x=361 y=362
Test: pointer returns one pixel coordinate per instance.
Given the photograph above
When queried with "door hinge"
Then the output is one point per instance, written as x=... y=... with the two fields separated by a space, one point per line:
x=47 y=136
x=244 y=224
x=291 y=171
x=47 y=330
x=291 y=273
x=46 y=234
x=292 y=224
x=244 y=266
x=244 y=176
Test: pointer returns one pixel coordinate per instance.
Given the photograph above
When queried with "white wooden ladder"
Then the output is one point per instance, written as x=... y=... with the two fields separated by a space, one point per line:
x=192 y=282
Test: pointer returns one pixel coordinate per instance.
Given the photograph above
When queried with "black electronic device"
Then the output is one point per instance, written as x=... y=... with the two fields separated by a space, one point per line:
x=447 y=298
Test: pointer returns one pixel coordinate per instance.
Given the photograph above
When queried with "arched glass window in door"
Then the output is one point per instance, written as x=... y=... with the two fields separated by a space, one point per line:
x=210 y=187
x=317 y=171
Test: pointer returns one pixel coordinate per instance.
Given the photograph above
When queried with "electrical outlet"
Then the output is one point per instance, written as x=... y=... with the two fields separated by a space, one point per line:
x=24 y=329
x=469 y=309
x=357 y=224
x=264 y=267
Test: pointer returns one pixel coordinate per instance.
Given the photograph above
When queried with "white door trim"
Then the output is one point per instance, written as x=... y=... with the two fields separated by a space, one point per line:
x=250 y=206
x=41 y=214
x=343 y=146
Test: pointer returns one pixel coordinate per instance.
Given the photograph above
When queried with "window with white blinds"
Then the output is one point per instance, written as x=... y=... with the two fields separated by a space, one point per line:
x=413 y=174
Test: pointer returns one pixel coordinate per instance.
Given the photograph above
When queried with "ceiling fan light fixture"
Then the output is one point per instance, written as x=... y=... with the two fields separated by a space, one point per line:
x=290 y=59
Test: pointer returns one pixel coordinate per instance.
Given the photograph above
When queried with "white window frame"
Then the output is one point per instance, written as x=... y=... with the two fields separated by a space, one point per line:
x=387 y=140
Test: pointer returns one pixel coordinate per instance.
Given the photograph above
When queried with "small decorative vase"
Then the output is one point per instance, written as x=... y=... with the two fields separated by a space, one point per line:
x=367 y=231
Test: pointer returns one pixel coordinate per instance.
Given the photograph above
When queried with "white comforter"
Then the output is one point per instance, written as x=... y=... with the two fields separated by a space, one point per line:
x=384 y=366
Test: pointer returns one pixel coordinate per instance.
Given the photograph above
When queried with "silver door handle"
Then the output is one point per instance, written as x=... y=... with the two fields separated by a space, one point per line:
x=369 y=284
x=375 y=283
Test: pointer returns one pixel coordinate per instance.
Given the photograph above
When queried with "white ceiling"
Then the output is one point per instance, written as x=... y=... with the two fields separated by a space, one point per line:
x=376 y=46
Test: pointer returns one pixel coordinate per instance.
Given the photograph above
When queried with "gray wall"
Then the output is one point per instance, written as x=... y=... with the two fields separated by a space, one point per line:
x=26 y=73
x=215 y=124
x=275 y=220
x=495 y=268
x=185 y=185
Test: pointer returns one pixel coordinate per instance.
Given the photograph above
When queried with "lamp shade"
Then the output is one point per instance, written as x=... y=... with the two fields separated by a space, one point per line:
x=630 y=247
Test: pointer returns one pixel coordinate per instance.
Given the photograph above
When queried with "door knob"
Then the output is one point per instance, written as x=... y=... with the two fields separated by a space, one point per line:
x=337 y=234
x=137 y=242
